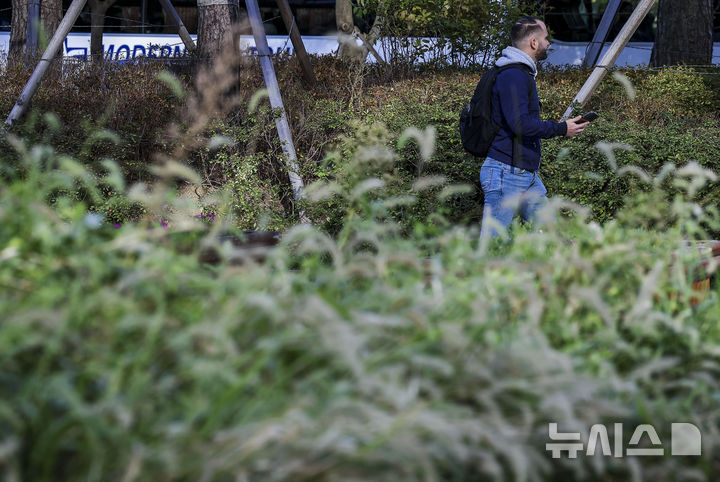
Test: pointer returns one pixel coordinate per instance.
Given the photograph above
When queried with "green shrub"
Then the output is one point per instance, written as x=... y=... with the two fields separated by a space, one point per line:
x=672 y=118
x=128 y=100
x=459 y=29
x=381 y=354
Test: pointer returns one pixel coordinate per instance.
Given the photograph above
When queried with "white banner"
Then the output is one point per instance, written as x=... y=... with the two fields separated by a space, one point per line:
x=119 y=46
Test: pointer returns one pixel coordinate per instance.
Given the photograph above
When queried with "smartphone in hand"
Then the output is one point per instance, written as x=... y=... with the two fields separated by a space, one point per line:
x=589 y=116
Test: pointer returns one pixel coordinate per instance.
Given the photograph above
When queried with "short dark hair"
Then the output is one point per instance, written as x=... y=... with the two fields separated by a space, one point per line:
x=523 y=28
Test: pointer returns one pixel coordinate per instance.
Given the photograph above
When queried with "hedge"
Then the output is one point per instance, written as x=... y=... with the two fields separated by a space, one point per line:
x=376 y=354
x=666 y=116
x=402 y=347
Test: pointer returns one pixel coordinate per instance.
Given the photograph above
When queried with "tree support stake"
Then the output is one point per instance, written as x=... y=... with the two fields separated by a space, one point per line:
x=182 y=31
x=608 y=60
x=41 y=69
x=300 y=52
x=276 y=101
x=601 y=33
x=33 y=26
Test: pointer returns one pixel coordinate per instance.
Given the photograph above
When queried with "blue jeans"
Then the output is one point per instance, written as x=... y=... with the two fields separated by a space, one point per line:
x=509 y=190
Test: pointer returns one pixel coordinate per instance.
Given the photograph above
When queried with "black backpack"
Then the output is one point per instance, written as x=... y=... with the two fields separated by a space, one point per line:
x=477 y=130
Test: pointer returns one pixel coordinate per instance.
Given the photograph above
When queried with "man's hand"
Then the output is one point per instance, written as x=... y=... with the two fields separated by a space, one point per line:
x=575 y=126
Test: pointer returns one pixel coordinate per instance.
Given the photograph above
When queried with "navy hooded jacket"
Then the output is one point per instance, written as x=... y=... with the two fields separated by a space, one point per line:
x=516 y=109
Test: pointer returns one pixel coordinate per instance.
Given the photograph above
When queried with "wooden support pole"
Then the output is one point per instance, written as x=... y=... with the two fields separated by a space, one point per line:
x=595 y=47
x=276 y=102
x=41 y=69
x=297 y=42
x=177 y=21
x=611 y=55
x=370 y=48
x=32 y=33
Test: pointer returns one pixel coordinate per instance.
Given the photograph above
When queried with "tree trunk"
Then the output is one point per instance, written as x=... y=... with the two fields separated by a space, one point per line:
x=215 y=18
x=50 y=16
x=684 y=33
x=18 y=30
x=346 y=28
x=347 y=31
x=98 y=8
x=344 y=16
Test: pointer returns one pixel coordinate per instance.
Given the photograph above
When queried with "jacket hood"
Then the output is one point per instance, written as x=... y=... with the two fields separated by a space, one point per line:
x=512 y=55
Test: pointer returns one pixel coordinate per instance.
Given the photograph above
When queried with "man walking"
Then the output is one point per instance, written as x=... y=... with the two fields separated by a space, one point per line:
x=510 y=171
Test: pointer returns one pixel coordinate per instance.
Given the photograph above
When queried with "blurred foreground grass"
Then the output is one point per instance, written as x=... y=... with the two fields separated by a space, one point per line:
x=379 y=354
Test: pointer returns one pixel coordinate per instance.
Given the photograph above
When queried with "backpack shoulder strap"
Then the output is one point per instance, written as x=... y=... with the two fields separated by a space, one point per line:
x=516 y=65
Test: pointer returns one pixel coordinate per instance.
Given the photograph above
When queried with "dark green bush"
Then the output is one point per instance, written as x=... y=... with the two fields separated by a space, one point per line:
x=460 y=29
x=127 y=100
x=379 y=354
x=672 y=118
